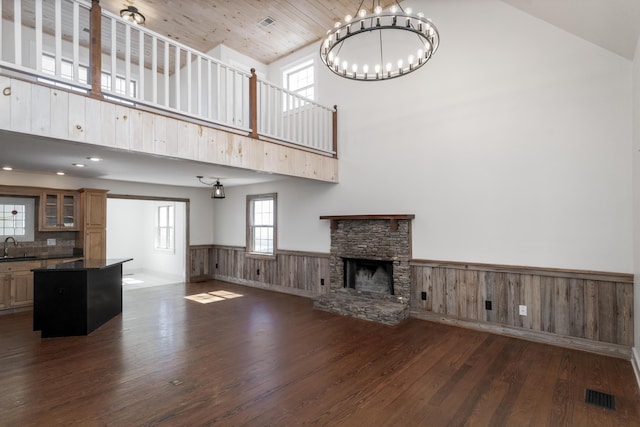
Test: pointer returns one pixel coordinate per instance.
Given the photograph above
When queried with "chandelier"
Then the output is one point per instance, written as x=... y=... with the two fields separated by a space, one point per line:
x=365 y=48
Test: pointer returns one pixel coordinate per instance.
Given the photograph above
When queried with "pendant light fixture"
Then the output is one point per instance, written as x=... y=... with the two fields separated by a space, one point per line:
x=379 y=45
x=217 y=190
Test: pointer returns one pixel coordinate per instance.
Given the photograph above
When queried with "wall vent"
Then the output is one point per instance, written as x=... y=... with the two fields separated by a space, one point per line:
x=267 y=21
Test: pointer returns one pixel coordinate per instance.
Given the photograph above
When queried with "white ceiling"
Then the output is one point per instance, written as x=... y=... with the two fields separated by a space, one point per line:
x=611 y=24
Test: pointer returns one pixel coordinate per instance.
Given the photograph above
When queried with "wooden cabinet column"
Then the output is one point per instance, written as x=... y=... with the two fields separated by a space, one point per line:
x=93 y=236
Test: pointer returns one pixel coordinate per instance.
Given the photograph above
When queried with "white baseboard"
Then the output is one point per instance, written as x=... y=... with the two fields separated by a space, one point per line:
x=635 y=362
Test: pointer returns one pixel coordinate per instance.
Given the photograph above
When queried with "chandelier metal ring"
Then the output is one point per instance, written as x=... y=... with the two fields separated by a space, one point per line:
x=399 y=20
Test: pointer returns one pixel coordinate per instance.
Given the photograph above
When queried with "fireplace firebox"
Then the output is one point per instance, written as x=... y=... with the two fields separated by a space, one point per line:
x=368 y=275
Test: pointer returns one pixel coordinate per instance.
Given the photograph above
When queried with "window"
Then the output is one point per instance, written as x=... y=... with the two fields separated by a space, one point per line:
x=165 y=236
x=299 y=79
x=66 y=72
x=17 y=218
x=261 y=224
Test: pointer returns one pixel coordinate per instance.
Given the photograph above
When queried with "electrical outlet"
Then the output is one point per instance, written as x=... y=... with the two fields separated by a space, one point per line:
x=216 y=265
x=423 y=296
x=523 y=310
x=487 y=305
x=321 y=282
x=258 y=272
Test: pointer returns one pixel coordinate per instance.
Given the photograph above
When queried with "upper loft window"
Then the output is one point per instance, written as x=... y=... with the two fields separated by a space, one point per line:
x=66 y=72
x=299 y=79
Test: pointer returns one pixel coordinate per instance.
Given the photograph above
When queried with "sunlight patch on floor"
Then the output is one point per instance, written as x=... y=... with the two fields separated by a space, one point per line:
x=206 y=298
x=130 y=281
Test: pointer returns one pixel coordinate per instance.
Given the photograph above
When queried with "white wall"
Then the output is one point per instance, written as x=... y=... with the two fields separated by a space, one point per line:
x=200 y=202
x=124 y=240
x=236 y=59
x=511 y=146
x=636 y=202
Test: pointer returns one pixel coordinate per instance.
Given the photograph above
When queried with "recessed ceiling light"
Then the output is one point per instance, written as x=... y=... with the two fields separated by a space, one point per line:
x=94 y=159
x=7 y=168
x=78 y=165
x=60 y=173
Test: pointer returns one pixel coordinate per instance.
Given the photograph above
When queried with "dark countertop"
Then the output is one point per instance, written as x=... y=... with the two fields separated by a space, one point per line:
x=85 y=264
x=37 y=258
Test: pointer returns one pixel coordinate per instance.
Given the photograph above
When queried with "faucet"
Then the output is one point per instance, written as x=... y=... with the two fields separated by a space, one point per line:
x=6 y=249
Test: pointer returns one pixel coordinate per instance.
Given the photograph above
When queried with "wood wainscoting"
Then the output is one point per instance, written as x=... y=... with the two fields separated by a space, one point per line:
x=299 y=273
x=587 y=310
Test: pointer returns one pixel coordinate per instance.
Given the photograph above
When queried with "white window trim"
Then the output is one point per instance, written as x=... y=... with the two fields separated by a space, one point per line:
x=249 y=224
x=30 y=224
x=307 y=62
x=170 y=229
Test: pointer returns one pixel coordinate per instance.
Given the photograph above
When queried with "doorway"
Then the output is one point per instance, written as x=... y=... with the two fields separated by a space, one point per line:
x=154 y=233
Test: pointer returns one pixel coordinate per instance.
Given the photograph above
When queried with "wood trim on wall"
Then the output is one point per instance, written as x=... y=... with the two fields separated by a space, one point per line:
x=567 y=304
x=553 y=272
x=299 y=273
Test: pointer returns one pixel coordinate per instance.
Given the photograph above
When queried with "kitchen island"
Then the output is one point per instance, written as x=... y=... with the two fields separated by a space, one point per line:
x=75 y=298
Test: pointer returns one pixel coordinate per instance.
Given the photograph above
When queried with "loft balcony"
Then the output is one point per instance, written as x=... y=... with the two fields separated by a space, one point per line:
x=74 y=72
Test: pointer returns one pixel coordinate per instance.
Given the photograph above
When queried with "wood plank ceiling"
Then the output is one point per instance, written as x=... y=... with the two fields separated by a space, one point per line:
x=203 y=24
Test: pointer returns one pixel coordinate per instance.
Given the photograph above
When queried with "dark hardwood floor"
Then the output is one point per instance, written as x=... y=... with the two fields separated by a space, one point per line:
x=269 y=359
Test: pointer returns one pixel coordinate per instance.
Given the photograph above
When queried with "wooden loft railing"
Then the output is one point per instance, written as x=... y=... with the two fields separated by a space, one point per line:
x=79 y=45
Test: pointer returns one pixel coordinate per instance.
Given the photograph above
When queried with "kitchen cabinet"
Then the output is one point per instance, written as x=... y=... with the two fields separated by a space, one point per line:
x=22 y=289
x=93 y=236
x=5 y=291
x=59 y=211
x=16 y=286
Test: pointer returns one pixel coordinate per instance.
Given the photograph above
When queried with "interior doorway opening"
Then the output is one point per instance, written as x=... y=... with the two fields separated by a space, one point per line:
x=154 y=233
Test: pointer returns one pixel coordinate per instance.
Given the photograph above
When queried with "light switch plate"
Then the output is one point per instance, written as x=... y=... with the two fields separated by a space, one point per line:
x=523 y=310
x=51 y=242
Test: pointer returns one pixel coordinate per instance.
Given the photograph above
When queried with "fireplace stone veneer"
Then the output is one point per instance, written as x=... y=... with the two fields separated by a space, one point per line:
x=369 y=237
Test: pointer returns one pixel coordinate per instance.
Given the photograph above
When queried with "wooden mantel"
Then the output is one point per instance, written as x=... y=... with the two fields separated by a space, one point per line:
x=393 y=219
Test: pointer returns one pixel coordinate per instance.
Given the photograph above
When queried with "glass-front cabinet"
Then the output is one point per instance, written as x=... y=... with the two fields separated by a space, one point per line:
x=59 y=211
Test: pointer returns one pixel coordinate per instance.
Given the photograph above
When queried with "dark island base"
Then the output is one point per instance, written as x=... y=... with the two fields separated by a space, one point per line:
x=71 y=302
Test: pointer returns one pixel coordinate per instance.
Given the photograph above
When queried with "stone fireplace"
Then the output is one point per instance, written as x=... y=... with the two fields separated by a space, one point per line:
x=369 y=263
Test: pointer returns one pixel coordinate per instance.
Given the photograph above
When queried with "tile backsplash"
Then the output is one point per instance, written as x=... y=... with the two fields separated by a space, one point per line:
x=65 y=242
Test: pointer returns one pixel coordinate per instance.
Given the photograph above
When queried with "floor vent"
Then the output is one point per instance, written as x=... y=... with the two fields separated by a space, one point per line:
x=598 y=398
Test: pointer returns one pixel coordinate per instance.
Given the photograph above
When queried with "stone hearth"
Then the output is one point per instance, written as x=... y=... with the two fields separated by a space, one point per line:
x=376 y=238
